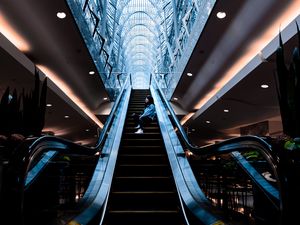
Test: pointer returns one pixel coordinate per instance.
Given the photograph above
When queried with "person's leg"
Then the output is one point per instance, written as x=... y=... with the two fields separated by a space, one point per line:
x=144 y=121
x=136 y=119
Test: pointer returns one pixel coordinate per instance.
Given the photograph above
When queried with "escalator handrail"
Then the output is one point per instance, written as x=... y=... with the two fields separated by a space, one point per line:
x=96 y=195
x=111 y=116
x=101 y=139
x=228 y=146
x=64 y=146
x=61 y=145
x=46 y=144
x=270 y=191
x=189 y=191
x=210 y=149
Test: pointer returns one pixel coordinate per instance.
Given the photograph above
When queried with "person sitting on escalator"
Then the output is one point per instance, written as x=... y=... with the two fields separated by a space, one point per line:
x=146 y=117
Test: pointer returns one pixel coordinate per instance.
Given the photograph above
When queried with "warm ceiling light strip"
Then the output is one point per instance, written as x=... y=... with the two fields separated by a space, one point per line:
x=282 y=21
x=58 y=131
x=65 y=88
x=186 y=118
x=9 y=32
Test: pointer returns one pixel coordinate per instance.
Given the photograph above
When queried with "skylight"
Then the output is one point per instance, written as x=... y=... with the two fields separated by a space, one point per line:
x=141 y=37
x=138 y=40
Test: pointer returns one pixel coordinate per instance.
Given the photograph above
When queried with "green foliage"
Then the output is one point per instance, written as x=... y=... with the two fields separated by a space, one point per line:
x=24 y=114
x=292 y=144
x=289 y=89
x=252 y=155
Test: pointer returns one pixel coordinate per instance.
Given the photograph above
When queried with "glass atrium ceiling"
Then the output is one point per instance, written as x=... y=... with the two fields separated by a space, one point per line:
x=141 y=37
x=138 y=35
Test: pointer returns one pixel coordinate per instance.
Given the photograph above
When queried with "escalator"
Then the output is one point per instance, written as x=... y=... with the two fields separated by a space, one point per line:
x=52 y=180
x=132 y=183
x=143 y=189
x=234 y=175
x=141 y=178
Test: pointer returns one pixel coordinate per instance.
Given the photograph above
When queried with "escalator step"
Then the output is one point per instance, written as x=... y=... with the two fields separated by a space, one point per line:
x=140 y=149
x=142 y=158
x=142 y=170
x=131 y=123
x=141 y=141
x=131 y=129
x=143 y=183
x=151 y=217
x=149 y=135
x=143 y=201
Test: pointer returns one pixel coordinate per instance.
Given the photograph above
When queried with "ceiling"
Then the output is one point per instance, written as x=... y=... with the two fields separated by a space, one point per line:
x=76 y=128
x=57 y=45
x=221 y=45
x=224 y=42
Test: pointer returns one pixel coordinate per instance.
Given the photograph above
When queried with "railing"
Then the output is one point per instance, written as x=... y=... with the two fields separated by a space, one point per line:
x=216 y=183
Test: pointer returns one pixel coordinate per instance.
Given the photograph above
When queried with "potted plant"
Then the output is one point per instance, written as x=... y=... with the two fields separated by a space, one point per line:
x=22 y=115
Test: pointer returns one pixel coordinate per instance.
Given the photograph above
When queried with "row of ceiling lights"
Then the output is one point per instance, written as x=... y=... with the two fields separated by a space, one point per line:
x=92 y=73
x=62 y=15
x=264 y=86
x=220 y=15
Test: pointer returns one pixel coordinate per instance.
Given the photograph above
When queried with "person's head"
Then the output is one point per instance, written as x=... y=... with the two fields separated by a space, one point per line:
x=149 y=100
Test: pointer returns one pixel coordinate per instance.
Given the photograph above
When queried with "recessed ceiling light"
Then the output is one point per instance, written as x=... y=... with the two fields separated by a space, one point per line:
x=105 y=99
x=87 y=130
x=207 y=121
x=175 y=99
x=61 y=15
x=66 y=117
x=193 y=129
x=92 y=72
x=264 y=86
x=221 y=15
x=49 y=105
x=226 y=110
x=189 y=74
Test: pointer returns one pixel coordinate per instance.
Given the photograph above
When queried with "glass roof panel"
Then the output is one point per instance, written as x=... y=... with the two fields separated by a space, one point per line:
x=143 y=37
x=137 y=37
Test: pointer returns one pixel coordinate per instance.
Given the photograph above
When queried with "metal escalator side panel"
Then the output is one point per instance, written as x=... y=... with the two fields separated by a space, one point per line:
x=185 y=180
x=99 y=188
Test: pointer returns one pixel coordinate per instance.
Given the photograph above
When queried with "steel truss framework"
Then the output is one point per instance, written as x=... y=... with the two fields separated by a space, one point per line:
x=143 y=37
